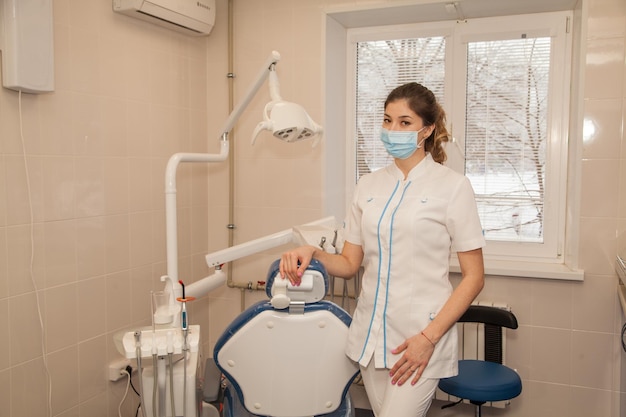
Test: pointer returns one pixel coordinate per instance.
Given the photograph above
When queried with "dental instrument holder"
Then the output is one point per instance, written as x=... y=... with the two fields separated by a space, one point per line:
x=139 y=345
x=161 y=341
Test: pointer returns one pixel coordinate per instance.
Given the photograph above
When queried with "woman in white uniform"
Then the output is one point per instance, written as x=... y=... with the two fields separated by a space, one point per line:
x=405 y=221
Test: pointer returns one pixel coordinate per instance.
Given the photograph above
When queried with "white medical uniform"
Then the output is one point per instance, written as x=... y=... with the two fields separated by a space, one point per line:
x=408 y=229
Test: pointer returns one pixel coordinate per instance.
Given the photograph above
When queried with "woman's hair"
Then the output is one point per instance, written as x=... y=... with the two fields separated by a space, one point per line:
x=423 y=103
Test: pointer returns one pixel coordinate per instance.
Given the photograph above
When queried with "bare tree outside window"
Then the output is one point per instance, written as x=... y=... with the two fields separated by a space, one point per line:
x=506 y=134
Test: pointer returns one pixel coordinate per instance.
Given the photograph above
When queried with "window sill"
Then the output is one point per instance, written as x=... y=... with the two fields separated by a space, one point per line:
x=526 y=270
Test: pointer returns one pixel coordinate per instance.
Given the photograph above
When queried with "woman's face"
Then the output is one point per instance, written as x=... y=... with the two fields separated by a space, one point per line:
x=399 y=116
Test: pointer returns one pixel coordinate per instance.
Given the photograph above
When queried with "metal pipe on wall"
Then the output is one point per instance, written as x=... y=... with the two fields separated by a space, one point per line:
x=231 y=168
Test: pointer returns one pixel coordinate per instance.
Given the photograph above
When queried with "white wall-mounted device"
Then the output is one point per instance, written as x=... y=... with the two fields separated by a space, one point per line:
x=27 y=44
x=191 y=17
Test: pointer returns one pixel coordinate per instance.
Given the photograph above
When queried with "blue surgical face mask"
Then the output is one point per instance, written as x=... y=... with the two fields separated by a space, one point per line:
x=401 y=143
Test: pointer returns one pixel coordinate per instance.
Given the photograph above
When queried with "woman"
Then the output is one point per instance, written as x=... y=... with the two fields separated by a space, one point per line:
x=405 y=221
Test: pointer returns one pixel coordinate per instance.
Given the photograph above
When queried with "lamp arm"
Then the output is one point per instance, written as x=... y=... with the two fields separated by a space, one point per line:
x=260 y=79
x=171 y=229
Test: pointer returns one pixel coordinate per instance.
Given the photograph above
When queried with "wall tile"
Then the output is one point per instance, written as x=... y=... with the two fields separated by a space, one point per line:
x=118 y=298
x=89 y=187
x=604 y=118
x=25 y=189
x=84 y=59
x=607 y=18
x=115 y=181
x=600 y=177
x=587 y=370
x=587 y=402
x=86 y=124
x=594 y=304
x=91 y=307
x=60 y=252
x=4 y=275
x=5 y=348
x=598 y=247
x=58 y=190
x=61 y=318
x=25 y=269
x=551 y=354
x=140 y=239
x=91 y=247
x=28 y=381
x=5 y=392
x=92 y=376
x=548 y=399
x=551 y=304
x=117 y=240
x=603 y=74
x=63 y=367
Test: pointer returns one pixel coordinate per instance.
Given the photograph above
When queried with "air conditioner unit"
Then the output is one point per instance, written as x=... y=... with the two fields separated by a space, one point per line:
x=192 y=17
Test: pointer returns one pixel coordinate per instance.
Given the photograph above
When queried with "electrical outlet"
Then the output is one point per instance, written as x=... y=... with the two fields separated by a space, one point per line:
x=116 y=367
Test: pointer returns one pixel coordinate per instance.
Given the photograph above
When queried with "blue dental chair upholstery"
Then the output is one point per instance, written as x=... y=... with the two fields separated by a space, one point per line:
x=285 y=357
x=482 y=381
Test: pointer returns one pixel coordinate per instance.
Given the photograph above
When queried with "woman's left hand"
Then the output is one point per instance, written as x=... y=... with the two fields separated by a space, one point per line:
x=416 y=352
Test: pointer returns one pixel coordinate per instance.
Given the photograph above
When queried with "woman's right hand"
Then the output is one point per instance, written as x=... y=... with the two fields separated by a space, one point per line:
x=294 y=262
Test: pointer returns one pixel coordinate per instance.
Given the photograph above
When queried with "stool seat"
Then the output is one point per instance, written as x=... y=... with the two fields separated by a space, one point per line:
x=481 y=381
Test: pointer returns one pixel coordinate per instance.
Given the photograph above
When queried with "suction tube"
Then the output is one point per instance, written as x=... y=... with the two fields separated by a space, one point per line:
x=170 y=353
x=154 y=384
x=138 y=354
x=169 y=356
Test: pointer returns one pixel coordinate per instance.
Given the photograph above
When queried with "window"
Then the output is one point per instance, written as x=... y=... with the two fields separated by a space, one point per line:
x=504 y=83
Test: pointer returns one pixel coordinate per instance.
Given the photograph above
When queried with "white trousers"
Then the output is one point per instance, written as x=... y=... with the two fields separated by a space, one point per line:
x=389 y=400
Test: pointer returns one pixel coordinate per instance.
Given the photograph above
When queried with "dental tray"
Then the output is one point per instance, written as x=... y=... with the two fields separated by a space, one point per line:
x=160 y=341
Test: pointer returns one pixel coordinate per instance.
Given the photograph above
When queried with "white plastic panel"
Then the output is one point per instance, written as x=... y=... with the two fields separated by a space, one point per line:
x=290 y=365
x=27 y=43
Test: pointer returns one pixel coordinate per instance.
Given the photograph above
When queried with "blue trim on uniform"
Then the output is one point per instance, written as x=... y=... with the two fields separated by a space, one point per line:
x=393 y=217
x=369 y=329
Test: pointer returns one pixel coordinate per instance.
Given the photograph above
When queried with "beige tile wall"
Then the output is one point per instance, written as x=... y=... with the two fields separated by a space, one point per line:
x=129 y=94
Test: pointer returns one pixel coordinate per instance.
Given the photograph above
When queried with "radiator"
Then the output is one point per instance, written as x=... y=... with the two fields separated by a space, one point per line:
x=472 y=346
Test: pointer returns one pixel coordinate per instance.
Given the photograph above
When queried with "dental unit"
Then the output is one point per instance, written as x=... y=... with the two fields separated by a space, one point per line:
x=169 y=385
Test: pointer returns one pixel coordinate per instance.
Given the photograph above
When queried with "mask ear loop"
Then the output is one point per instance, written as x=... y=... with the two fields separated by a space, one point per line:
x=419 y=144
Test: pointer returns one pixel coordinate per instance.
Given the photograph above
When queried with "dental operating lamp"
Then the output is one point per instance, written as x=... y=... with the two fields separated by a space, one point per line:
x=287 y=121
x=171 y=336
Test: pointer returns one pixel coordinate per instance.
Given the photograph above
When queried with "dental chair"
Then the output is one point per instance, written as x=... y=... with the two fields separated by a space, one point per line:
x=284 y=357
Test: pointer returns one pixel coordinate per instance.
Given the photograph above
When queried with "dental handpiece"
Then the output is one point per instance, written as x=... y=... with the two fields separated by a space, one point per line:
x=138 y=357
x=184 y=319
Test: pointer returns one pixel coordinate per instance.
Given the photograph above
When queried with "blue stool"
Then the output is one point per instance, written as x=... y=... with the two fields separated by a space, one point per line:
x=481 y=381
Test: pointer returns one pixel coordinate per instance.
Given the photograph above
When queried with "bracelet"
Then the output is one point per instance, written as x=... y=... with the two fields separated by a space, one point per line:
x=427 y=338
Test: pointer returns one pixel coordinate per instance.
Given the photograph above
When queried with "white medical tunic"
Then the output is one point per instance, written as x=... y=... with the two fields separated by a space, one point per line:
x=408 y=228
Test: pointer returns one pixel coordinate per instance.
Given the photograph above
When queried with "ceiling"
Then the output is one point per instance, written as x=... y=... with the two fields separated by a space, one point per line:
x=438 y=10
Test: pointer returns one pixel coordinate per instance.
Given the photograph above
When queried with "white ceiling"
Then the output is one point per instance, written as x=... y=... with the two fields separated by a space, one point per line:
x=434 y=11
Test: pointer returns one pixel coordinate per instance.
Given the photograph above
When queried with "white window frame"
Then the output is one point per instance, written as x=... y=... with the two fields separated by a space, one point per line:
x=559 y=265
x=555 y=26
